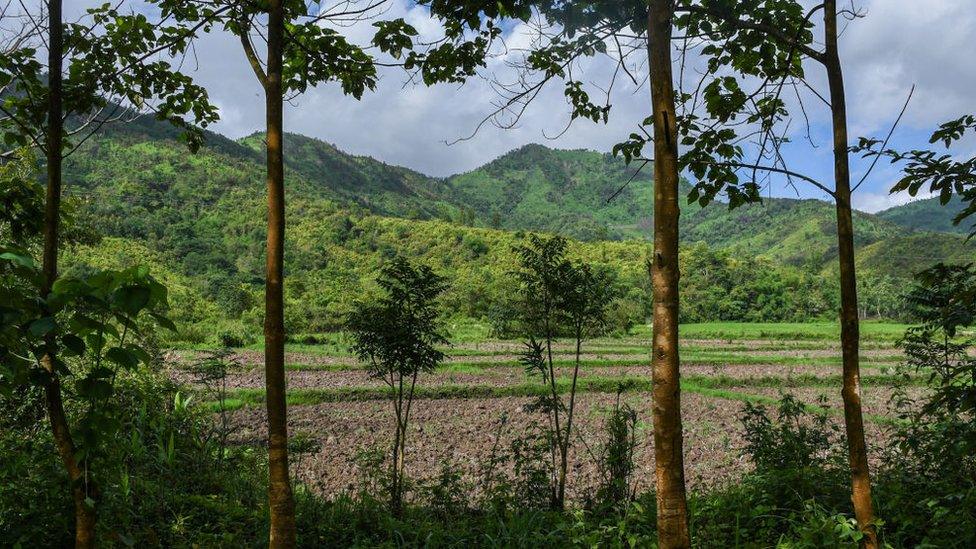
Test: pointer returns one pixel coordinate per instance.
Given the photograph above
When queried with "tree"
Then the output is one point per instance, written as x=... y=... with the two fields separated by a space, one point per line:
x=570 y=32
x=558 y=297
x=302 y=51
x=765 y=41
x=943 y=300
x=939 y=173
x=109 y=57
x=397 y=337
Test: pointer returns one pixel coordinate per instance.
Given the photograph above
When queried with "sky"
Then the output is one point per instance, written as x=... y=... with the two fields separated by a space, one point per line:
x=897 y=44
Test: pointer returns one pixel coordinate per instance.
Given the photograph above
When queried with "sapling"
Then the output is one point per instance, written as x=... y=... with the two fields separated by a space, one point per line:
x=558 y=297
x=397 y=337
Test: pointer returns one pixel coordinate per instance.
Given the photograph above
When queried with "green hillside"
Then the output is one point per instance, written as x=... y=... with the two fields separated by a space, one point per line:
x=928 y=215
x=900 y=256
x=203 y=215
x=538 y=188
x=795 y=232
x=368 y=183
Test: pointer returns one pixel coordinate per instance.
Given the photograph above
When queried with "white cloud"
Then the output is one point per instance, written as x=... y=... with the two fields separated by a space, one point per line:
x=874 y=202
x=898 y=43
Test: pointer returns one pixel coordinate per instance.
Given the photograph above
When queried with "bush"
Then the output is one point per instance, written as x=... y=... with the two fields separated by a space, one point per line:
x=159 y=482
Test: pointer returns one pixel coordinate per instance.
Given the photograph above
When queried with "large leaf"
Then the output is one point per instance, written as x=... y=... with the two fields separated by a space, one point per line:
x=132 y=299
x=42 y=326
x=123 y=357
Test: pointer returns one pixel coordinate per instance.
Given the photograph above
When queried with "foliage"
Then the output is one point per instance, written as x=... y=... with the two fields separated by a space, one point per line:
x=557 y=297
x=944 y=302
x=97 y=321
x=616 y=457
x=210 y=371
x=160 y=481
x=793 y=442
x=939 y=173
x=398 y=338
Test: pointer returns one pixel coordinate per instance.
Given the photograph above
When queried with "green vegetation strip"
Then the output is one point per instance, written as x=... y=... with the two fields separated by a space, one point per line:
x=717 y=359
x=870 y=331
x=704 y=385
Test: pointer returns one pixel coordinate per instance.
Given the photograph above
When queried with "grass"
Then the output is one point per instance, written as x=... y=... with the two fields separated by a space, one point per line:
x=870 y=331
x=717 y=359
x=810 y=335
x=713 y=386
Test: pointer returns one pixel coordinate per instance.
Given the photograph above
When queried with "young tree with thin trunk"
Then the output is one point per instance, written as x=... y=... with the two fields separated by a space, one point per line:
x=397 y=337
x=556 y=297
x=634 y=34
x=108 y=66
x=302 y=49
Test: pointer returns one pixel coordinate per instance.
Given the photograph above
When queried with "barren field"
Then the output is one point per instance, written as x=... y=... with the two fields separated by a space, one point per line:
x=478 y=403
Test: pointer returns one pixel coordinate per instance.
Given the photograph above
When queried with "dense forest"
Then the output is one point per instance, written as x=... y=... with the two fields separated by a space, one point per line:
x=209 y=341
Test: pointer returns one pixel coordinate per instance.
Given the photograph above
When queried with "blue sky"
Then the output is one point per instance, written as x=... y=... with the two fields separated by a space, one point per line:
x=899 y=43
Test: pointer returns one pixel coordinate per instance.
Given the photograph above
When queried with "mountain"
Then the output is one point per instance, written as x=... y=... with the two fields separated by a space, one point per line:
x=582 y=194
x=928 y=215
x=368 y=183
x=203 y=216
x=792 y=231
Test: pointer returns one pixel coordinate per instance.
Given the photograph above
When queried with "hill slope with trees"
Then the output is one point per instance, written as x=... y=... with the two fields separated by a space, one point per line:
x=203 y=215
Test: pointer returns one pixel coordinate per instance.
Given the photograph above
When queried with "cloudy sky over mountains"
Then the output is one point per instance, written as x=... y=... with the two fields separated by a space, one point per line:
x=897 y=44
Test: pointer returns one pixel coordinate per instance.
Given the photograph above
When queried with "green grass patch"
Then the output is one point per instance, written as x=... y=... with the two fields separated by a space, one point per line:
x=883 y=331
x=705 y=385
x=766 y=400
x=703 y=359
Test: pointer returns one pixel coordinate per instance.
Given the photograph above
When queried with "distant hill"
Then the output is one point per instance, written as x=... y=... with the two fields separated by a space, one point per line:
x=538 y=188
x=928 y=215
x=378 y=187
x=202 y=215
x=901 y=256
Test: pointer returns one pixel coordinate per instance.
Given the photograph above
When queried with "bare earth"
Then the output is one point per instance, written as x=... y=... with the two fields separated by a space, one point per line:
x=463 y=432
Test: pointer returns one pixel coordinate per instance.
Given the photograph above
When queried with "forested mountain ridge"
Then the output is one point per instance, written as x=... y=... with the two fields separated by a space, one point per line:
x=579 y=193
x=203 y=215
x=374 y=185
x=928 y=215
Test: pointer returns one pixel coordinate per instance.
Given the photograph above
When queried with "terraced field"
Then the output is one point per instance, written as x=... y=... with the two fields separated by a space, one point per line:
x=477 y=401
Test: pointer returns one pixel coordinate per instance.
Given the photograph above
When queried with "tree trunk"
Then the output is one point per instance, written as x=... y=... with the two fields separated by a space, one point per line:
x=672 y=506
x=84 y=513
x=564 y=451
x=280 y=500
x=853 y=419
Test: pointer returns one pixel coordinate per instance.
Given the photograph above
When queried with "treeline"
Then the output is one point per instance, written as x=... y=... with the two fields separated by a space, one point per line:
x=333 y=255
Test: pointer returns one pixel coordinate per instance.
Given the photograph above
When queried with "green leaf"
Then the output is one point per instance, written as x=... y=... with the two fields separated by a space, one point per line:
x=123 y=357
x=74 y=344
x=21 y=260
x=132 y=299
x=41 y=326
x=94 y=388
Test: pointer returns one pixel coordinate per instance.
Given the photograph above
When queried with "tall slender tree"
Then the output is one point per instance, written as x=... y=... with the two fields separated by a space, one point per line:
x=672 y=501
x=736 y=31
x=632 y=34
x=302 y=50
x=107 y=66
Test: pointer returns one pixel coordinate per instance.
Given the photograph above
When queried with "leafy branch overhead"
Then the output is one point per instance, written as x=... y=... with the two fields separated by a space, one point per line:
x=122 y=71
x=938 y=173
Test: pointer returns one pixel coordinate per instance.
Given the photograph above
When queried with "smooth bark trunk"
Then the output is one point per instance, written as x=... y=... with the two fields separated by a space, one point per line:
x=280 y=500
x=672 y=506
x=84 y=513
x=853 y=418
x=564 y=451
